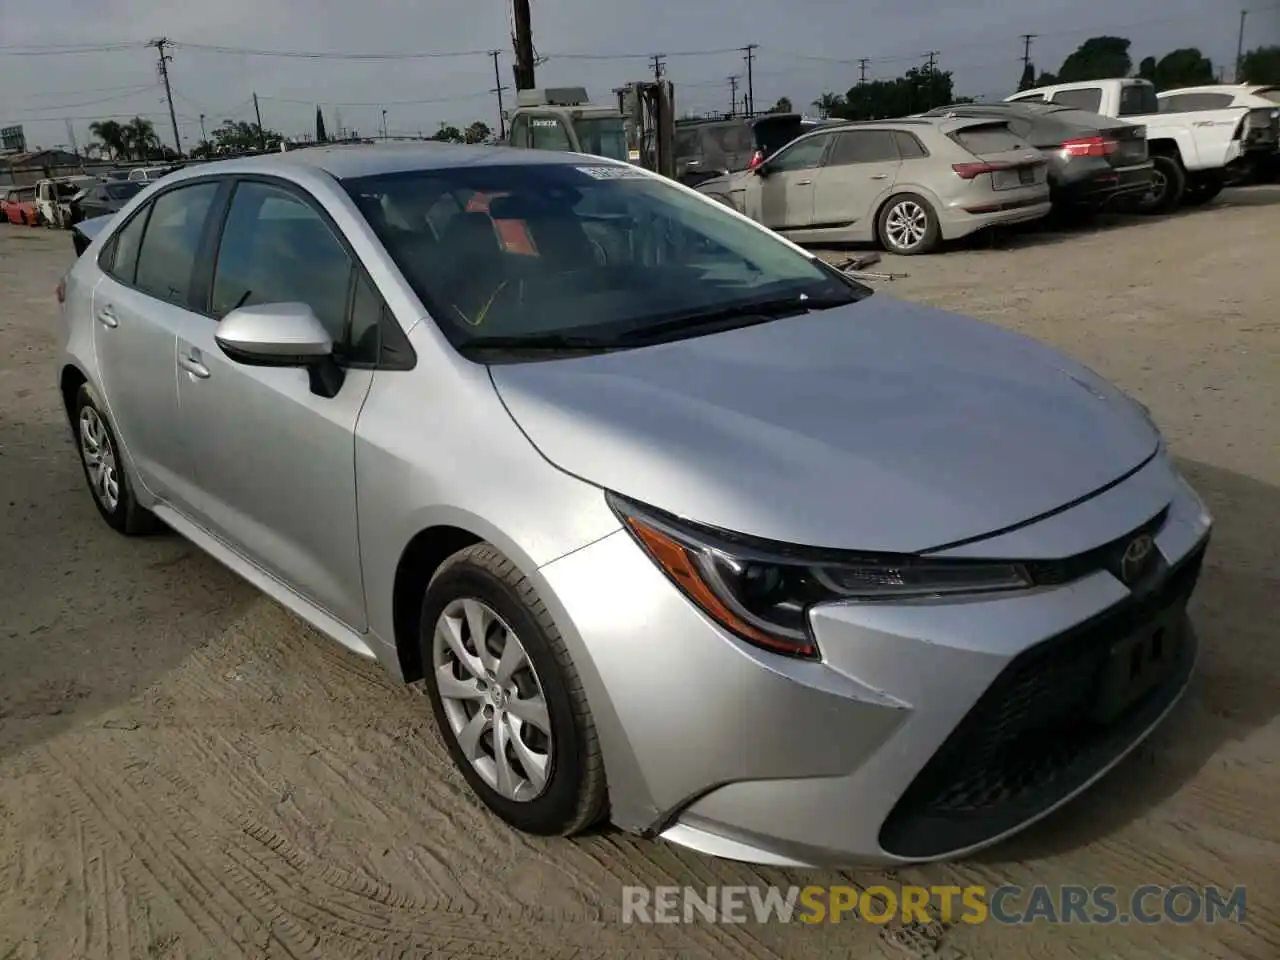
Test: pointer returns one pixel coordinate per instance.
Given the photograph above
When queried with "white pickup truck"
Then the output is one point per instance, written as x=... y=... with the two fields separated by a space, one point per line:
x=1195 y=154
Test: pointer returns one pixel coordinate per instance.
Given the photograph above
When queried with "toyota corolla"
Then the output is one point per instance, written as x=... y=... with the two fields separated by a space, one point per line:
x=678 y=526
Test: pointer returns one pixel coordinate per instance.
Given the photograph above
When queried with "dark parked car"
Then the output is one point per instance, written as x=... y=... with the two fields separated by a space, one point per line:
x=712 y=148
x=1093 y=160
x=103 y=199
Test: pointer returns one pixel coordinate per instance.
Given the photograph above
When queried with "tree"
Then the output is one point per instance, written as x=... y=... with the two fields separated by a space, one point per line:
x=447 y=134
x=111 y=134
x=916 y=91
x=477 y=132
x=237 y=136
x=204 y=150
x=1098 y=58
x=1261 y=66
x=321 y=137
x=782 y=106
x=1186 y=67
x=828 y=104
x=140 y=139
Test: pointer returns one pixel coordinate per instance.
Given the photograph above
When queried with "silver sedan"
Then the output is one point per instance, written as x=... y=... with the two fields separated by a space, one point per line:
x=677 y=525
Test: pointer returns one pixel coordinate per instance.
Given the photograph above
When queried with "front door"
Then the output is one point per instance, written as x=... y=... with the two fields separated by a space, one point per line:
x=139 y=307
x=860 y=171
x=780 y=193
x=275 y=463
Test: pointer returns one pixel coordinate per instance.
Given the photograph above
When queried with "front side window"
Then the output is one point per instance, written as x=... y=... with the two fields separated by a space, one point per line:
x=172 y=238
x=801 y=155
x=605 y=254
x=276 y=248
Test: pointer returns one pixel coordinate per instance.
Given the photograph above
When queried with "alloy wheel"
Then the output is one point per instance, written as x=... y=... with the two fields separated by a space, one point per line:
x=492 y=699
x=1159 y=186
x=99 y=459
x=906 y=225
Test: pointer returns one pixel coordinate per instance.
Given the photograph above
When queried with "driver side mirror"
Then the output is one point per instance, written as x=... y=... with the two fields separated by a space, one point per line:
x=282 y=335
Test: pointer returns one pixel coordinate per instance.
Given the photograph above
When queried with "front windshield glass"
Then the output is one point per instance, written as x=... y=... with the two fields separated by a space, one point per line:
x=609 y=253
x=602 y=136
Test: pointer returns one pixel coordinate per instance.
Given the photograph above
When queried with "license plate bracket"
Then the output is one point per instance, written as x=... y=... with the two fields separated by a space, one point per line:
x=1136 y=665
x=1026 y=175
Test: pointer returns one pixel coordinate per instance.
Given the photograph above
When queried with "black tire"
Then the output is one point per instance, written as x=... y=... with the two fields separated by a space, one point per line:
x=906 y=205
x=1169 y=186
x=575 y=794
x=1202 y=192
x=126 y=516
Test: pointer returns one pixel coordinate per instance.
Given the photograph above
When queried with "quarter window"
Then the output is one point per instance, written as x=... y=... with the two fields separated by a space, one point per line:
x=124 y=259
x=276 y=248
x=908 y=146
x=168 y=253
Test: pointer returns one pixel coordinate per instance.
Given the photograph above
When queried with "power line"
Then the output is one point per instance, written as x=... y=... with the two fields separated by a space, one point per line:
x=329 y=54
x=71 y=49
x=132 y=91
x=381 y=103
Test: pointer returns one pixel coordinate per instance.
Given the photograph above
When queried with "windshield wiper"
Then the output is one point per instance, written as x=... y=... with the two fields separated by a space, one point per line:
x=537 y=341
x=759 y=311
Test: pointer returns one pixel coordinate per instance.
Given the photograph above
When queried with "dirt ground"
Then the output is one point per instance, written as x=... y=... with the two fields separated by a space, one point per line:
x=188 y=771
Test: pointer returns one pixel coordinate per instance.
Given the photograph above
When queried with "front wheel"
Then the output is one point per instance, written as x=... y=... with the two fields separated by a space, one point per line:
x=1168 y=185
x=104 y=470
x=507 y=698
x=908 y=226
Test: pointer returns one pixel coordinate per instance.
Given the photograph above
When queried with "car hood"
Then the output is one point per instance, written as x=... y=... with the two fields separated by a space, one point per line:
x=881 y=426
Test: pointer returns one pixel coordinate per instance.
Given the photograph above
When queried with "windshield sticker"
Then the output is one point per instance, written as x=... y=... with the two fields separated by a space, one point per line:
x=613 y=172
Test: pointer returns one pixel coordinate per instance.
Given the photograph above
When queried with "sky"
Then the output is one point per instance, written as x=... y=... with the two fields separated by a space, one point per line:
x=805 y=47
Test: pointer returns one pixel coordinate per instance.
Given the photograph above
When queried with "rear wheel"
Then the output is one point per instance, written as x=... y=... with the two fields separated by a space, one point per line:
x=1168 y=185
x=908 y=226
x=104 y=470
x=507 y=698
x=1202 y=190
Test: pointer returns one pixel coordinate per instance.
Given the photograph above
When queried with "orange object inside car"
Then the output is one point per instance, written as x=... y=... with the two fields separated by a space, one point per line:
x=514 y=234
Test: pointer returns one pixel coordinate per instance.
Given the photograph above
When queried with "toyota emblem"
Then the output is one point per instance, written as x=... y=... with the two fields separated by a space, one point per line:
x=1136 y=555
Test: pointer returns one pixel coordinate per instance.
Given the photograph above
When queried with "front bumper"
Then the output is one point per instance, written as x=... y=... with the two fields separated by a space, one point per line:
x=924 y=733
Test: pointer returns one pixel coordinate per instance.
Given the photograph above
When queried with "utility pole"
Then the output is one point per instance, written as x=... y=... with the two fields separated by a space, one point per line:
x=1026 y=50
x=71 y=137
x=659 y=65
x=933 y=60
x=1244 y=14
x=498 y=88
x=862 y=70
x=522 y=38
x=163 y=68
x=750 y=54
x=203 y=136
x=733 y=96
x=384 y=123
x=262 y=134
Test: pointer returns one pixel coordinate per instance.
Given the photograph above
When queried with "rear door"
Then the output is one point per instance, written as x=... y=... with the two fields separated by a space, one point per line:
x=859 y=171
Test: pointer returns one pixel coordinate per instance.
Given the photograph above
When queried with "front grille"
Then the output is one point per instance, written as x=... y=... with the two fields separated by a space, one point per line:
x=1034 y=738
x=1052 y=573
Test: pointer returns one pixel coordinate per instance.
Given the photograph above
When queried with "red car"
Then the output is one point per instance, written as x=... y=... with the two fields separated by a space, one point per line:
x=18 y=206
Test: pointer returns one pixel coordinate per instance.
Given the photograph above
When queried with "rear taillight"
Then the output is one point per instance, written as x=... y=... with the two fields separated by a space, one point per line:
x=967 y=171
x=757 y=158
x=61 y=290
x=1090 y=147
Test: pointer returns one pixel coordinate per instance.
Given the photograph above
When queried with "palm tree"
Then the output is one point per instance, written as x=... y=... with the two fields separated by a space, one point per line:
x=140 y=138
x=828 y=104
x=111 y=135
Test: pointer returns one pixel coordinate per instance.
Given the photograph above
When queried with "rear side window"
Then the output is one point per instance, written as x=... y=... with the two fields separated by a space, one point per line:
x=864 y=146
x=687 y=144
x=1138 y=99
x=989 y=138
x=169 y=246
x=909 y=147
x=127 y=243
x=1085 y=98
x=771 y=135
x=1193 y=102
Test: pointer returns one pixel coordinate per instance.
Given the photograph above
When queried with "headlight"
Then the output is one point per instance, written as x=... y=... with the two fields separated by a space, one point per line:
x=762 y=592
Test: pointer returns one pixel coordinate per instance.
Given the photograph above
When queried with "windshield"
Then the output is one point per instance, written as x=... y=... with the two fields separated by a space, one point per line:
x=527 y=253
x=122 y=191
x=602 y=136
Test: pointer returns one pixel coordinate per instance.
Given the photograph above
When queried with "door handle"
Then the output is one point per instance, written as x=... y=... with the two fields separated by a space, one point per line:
x=107 y=317
x=190 y=362
x=879 y=176
x=803 y=183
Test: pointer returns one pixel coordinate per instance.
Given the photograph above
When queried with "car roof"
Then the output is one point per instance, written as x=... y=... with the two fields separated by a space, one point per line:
x=347 y=161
